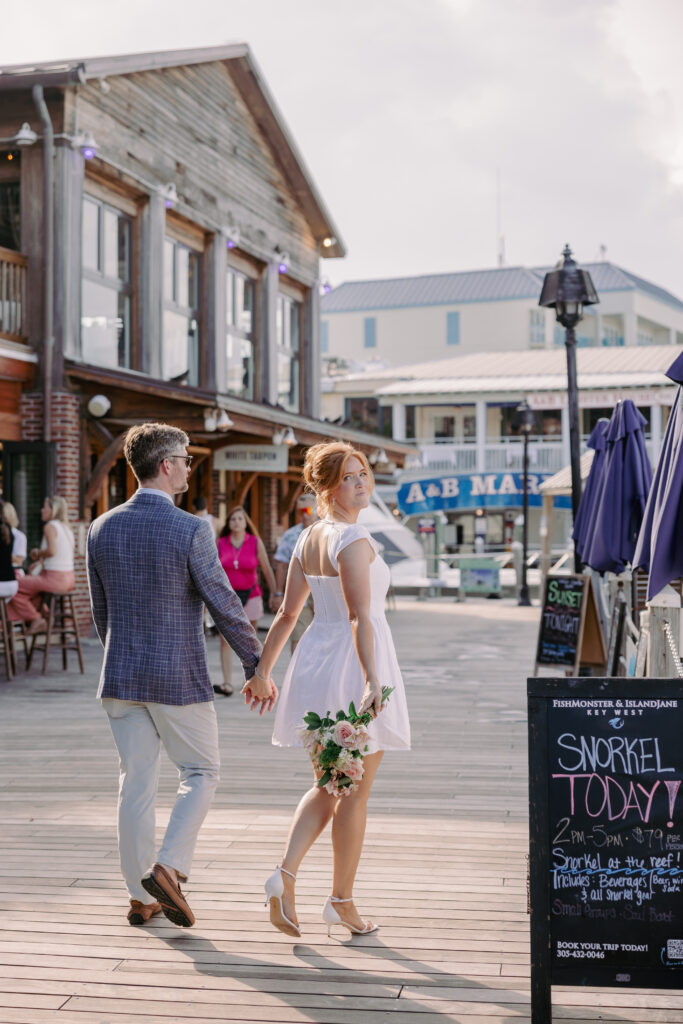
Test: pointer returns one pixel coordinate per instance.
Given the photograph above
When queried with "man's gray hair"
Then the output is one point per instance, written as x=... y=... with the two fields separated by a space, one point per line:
x=148 y=444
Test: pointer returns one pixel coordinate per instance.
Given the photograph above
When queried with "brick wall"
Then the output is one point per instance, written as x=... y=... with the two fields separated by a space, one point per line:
x=66 y=431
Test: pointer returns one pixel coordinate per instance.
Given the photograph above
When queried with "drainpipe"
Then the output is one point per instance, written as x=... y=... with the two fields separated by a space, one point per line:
x=49 y=255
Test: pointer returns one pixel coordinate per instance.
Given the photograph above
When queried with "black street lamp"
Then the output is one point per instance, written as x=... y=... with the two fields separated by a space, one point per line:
x=567 y=289
x=525 y=420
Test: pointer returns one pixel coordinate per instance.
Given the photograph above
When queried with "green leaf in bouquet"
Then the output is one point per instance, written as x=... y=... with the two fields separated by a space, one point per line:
x=344 y=782
x=353 y=714
x=329 y=755
x=312 y=720
x=341 y=716
x=386 y=693
x=327 y=721
x=325 y=779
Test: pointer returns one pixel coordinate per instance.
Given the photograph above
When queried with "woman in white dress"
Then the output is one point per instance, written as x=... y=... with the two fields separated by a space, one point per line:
x=346 y=654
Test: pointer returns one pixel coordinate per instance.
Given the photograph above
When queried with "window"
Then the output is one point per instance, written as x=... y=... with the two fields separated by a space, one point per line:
x=368 y=415
x=452 y=328
x=106 y=285
x=536 y=328
x=370 y=332
x=181 y=329
x=645 y=336
x=10 y=228
x=611 y=336
x=289 y=313
x=325 y=336
x=240 y=299
x=558 y=334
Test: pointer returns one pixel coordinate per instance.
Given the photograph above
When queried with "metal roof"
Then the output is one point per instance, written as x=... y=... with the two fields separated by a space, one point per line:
x=494 y=285
x=250 y=82
x=530 y=362
x=561 y=482
x=531 y=383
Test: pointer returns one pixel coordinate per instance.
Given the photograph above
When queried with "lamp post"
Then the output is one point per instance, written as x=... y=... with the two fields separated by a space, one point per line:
x=525 y=424
x=567 y=289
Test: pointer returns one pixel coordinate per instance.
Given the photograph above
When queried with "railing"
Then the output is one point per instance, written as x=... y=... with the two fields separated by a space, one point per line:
x=544 y=457
x=13 y=295
x=505 y=456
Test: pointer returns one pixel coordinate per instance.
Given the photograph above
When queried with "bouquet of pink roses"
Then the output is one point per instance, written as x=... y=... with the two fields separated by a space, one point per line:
x=337 y=746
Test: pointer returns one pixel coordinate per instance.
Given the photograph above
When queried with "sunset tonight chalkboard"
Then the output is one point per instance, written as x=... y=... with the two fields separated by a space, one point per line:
x=569 y=633
x=606 y=834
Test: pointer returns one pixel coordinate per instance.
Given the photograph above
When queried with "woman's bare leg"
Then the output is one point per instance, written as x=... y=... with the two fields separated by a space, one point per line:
x=226 y=661
x=348 y=833
x=310 y=818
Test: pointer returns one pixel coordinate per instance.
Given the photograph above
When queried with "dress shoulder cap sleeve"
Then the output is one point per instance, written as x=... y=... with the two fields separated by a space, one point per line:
x=300 y=541
x=341 y=536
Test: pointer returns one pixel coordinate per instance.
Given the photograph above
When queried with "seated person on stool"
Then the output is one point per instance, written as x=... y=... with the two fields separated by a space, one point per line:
x=56 y=553
x=8 y=582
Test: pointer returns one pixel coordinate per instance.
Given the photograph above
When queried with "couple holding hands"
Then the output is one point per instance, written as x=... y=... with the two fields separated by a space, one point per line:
x=151 y=569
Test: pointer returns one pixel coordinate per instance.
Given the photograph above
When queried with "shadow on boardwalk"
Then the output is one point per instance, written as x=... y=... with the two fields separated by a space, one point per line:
x=443 y=869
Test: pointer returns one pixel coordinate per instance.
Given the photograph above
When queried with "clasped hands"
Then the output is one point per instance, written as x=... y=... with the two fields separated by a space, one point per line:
x=260 y=692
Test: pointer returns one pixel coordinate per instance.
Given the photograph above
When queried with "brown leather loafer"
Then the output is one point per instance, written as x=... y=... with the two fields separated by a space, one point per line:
x=159 y=884
x=140 y=913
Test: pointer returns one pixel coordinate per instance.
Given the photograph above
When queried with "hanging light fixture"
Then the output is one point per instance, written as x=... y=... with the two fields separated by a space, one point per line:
x=25 y=136
x=170 y=194
x=289 y=439
x=224 y=422
x=87 y=145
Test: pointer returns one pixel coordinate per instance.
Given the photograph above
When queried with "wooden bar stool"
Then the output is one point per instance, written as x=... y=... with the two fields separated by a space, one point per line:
x=20 y=636
x=62 y=628
x=7 y=641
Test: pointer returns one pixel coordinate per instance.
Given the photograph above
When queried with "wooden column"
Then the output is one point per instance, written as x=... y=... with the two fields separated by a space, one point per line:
x=213 y=371
x=152 y=222
x=69 y=172
x=310 y=405
x=268 y=296
x=31 y=213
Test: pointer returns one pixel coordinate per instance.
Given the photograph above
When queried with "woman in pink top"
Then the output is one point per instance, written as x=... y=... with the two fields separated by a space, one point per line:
x=242 y=554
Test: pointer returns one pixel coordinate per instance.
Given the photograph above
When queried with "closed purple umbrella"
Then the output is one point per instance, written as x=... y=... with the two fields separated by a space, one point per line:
x=586 y=513
x=622 y=494
x=660 y=543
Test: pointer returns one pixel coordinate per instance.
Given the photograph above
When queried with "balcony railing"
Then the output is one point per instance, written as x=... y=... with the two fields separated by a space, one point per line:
x=445 y=455
x=13 y=295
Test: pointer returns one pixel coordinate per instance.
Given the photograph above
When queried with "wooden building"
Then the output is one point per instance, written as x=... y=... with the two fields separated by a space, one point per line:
x=160 y=244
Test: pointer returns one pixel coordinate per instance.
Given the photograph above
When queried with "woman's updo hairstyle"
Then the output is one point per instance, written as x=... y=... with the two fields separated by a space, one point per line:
x=324 y=467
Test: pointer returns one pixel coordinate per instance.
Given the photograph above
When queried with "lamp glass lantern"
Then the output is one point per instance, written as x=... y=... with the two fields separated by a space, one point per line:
x=567 y=289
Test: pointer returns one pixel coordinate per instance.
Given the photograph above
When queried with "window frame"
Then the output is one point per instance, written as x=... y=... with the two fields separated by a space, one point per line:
x=239 y=267
x=124 y=208
x=369 y=335
x=189 y=313
x=453 y=318
x=289 y=297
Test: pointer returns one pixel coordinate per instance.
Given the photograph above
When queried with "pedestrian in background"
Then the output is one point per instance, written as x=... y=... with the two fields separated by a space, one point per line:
x=307 y=514
x=242 y=553
x=199 y=509
x=56 y=558
x=8 y=582
x=20 y=548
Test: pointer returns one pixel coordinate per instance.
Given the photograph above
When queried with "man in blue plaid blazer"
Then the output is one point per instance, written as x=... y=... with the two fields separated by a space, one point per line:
x=151 y=569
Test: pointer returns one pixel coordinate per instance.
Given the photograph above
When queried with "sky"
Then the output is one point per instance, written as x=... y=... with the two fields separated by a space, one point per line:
x=433 y=127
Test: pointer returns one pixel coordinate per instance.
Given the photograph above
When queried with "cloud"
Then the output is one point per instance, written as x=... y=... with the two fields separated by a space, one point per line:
x=405 y=112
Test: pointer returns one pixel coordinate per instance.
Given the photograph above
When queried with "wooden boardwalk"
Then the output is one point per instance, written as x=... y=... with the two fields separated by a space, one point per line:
x=443 y=872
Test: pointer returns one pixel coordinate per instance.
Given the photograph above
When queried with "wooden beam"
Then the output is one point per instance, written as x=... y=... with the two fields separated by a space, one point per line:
x=243 y=488
x=286 y=503
x=104 y=464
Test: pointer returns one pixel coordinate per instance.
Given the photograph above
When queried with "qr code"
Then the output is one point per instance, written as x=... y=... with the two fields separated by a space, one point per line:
x=674 y=949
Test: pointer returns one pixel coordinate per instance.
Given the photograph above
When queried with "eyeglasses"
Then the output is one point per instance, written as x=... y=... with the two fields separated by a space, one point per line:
x=188 y=458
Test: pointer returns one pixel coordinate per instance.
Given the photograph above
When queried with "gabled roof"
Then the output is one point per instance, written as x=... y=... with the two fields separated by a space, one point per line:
x=495 y=285
x=248 y=79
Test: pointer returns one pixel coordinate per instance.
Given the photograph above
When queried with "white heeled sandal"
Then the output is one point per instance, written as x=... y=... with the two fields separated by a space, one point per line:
x=331 y=917
x=274 y=892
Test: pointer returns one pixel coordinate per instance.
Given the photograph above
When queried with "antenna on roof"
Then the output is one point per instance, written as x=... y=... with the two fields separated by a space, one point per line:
x=602 y=252
x=499 y=221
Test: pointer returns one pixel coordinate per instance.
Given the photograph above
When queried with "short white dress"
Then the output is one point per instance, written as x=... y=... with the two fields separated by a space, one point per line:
x=325 y=673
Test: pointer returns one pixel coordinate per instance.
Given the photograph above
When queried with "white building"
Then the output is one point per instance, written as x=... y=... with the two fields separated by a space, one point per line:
x=439 y=315
x=460 y=414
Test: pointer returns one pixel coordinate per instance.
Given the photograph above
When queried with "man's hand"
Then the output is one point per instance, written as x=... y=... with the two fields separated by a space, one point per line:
x=257 y=692
x=274 y=602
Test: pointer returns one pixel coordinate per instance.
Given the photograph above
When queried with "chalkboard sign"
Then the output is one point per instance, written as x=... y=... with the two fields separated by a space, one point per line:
x=570 y=633
x=606 y=834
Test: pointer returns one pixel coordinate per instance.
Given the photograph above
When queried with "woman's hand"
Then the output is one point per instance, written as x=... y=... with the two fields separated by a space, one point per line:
x=372 y=698
x=35 y=554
